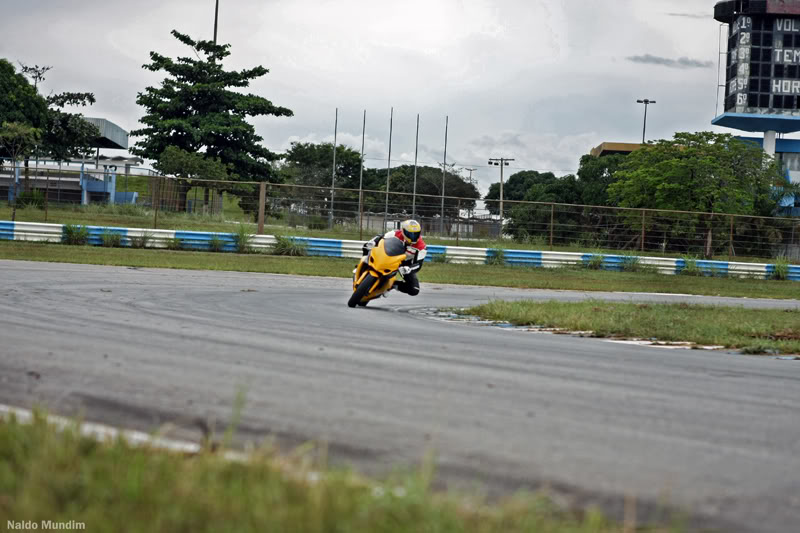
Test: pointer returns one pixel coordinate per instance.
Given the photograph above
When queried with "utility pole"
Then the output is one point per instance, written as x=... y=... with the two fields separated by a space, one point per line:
x=500 y=162
x=444 y=173
x=333 y=177
x=646 y=103
x=216 y=18
x=388 y=169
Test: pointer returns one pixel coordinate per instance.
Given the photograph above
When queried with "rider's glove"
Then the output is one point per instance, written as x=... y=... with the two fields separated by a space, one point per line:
x=405 y=271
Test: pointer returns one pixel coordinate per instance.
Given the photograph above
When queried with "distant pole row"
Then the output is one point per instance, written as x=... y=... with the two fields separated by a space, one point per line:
x=331 y=218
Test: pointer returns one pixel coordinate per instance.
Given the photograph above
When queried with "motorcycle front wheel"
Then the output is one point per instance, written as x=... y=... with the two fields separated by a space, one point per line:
x=361 y=291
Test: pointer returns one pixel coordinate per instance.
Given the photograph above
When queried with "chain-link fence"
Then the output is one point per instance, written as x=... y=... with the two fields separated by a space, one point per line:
x=351 y=213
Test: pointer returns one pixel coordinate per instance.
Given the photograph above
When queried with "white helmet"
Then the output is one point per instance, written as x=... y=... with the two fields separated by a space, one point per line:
x=411 y=231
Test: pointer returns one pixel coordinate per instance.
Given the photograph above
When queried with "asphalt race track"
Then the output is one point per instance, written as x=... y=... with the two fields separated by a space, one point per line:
x=715 y=433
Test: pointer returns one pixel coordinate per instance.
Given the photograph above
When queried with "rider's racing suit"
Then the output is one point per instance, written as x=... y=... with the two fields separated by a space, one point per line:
x=409 y=268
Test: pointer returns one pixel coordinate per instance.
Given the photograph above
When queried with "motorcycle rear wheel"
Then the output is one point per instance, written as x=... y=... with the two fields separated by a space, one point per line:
x=361 y=291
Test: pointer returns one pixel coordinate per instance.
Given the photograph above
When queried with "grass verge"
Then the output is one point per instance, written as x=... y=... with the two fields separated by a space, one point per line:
x=61 y=476
x=457 y=274
x=754 y=331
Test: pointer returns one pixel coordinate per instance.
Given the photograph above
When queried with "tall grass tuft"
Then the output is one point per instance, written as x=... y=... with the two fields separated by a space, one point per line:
x=243 y=239
x=174 y=244
x=781 y=269
x=216 y=243
x=111 y=239
x=497 y=258
x=75 y=234
x=631 y=263
x=288 y=246
x=141 y=241
x=596 y=261
x=440 y=258
x=690 y=267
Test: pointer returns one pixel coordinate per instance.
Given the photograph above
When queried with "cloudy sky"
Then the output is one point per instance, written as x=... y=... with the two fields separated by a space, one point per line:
x=542 y=81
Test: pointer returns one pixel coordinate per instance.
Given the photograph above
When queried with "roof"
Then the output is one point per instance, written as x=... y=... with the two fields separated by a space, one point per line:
x=610 y=148
x=758 y=122
x=111 y=135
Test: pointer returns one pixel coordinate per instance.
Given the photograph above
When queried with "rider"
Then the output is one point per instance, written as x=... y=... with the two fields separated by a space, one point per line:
x=410 y=232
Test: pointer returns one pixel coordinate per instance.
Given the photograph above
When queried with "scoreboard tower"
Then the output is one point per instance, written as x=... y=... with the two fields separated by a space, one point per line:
x=762 y=91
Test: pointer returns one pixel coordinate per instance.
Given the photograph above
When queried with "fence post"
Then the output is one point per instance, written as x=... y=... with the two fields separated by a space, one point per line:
x=552 y=223
x=156 y=194
x=644 y=212
x=262 y=198
x=730 y=246
x=458 y=223
x=361 y=215
x=46 y=192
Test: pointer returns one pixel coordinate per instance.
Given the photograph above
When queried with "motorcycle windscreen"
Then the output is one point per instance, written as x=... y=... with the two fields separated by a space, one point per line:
x=394 y=247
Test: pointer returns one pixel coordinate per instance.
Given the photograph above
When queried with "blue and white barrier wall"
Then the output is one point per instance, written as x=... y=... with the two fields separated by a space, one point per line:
x=196 y=240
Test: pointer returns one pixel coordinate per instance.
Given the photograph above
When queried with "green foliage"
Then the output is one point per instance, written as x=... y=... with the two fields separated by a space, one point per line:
x=631 y=263
x=174 y=243
x=289 y=247
x=174 y=161
x=596 y=261
x=690 y=267
x=216 y=243
x=496 y=257
x=701 y=172
x=34 y=199
x=199 y=107
x=74 y=234
x=781 y=269
x=243 y=239
x=18 y=139
x=141 y=241
x=429 y=182
x=441 y=259
x=20 y=102
x=111 y=239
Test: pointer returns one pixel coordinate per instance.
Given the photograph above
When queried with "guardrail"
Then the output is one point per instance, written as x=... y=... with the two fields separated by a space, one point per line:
x=195 y=240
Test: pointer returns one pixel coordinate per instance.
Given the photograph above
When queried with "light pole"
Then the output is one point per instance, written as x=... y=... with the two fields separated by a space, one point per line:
x=500 y=162
x=646 y=103
x=216 y=18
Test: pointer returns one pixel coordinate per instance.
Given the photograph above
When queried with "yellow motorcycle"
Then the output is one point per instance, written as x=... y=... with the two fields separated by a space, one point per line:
x=376 y=273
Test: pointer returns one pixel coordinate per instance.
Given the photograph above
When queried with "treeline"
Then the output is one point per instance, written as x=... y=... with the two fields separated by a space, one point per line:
x=708 y=173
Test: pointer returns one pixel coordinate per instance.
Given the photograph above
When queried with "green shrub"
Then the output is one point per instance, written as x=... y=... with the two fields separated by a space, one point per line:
x=174 y=244
x=141 y=241
x=287 y=246
x=216 y=243
x=596 y=262
x=243 y=239
x=498 y=257
x=75 y=234
x=29 y=199
x=690 y=267
x=111 y=239
x=781 y=269
x=440 y=258
x=631 y=263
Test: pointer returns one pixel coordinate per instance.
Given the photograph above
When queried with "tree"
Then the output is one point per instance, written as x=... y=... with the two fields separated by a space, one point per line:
x=20 y=102
x=595 y=174
x=18 y=140
x=702 y=172
x=514 y=189
x=188 y=166
x=311 y=164
x=67 y=135
x=199 y=108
